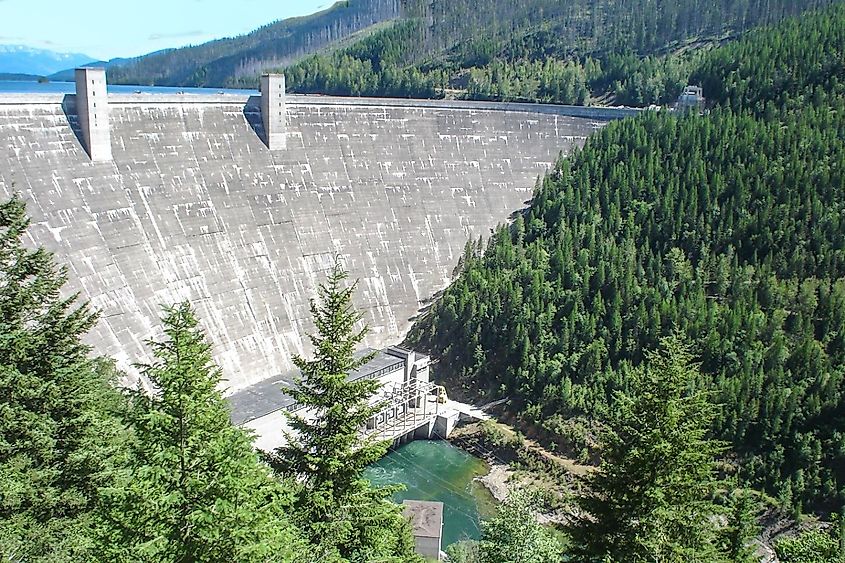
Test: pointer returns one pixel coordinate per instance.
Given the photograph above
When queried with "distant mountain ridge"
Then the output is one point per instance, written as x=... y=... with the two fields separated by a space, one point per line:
x=19 y=76
x=224 y=62
x=21 y=59
x=67 y=74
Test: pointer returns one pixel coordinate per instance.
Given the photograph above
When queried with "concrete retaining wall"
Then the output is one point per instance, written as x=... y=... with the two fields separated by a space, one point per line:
x=194 y=206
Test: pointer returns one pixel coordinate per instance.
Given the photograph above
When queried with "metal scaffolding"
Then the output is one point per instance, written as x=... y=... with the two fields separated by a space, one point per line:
x=403 y=409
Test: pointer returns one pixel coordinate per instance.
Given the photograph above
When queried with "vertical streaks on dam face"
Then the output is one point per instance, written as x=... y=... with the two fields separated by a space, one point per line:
x=194 y=206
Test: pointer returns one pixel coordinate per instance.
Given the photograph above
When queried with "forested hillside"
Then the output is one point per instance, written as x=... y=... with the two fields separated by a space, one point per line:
x=726 y=227
x=227 y=61
x=637 y=53
x=578 y=52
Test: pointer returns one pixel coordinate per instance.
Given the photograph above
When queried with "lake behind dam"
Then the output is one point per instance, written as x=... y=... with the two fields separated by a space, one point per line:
x=27 y=87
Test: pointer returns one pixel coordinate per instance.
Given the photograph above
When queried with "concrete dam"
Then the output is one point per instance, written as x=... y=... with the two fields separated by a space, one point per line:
x=239 y=204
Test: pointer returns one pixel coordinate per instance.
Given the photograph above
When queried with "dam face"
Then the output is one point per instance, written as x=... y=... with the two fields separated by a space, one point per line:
x=193 y=205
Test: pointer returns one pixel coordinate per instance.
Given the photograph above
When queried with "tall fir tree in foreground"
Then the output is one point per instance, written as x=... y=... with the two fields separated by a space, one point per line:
x=651 y=499
x=342 y=514
x=194 y=490
x=58 y=426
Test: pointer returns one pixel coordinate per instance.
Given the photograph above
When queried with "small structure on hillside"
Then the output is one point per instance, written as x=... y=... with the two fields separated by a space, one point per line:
x=427 y=522
x=691 y=99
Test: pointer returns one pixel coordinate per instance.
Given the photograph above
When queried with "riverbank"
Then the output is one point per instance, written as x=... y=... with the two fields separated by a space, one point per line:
x=517 y=462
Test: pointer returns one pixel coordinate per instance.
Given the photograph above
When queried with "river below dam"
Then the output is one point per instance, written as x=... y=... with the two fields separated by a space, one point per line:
x=436 y=470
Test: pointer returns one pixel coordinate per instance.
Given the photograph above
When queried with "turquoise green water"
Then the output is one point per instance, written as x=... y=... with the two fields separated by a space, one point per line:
x=436 y=470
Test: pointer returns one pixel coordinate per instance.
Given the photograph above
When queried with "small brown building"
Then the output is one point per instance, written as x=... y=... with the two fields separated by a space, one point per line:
x=427 y=522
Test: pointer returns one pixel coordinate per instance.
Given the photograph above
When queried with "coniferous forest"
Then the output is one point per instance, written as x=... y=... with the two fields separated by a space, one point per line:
x=92 y=473
x=631 y=53
x=726 y=228
x=581 y=52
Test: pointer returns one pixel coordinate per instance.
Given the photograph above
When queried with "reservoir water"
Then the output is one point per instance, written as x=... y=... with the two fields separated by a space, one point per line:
x=22 y=86
x=436 y=470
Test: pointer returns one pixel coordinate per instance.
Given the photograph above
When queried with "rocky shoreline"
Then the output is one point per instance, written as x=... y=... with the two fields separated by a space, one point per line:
x=497 y=480
x=518 y=463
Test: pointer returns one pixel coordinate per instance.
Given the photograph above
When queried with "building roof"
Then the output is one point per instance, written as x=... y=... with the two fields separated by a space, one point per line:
x=426 y=517
x=382 y=362
x=268 y=396
x=260 y=399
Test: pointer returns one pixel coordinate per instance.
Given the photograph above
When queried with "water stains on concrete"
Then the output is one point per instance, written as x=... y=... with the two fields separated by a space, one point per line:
x=193 y=206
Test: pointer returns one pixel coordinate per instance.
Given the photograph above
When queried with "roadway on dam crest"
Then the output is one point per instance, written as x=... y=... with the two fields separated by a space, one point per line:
x=194 y=206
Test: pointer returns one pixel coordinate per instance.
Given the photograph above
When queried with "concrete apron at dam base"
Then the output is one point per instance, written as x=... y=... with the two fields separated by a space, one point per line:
x=151 y=199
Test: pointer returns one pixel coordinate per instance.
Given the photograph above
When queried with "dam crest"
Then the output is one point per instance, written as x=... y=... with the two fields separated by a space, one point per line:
x=240 y=204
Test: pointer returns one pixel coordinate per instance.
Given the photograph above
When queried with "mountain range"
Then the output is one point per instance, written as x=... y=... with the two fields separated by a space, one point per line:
x=21 y=59
x=224 y=62
x=416 y=48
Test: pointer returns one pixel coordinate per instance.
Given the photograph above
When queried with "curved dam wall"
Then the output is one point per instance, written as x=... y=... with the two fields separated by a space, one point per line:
x=193 y=205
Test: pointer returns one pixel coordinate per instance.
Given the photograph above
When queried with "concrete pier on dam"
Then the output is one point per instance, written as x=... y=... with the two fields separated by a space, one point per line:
x=240 y=204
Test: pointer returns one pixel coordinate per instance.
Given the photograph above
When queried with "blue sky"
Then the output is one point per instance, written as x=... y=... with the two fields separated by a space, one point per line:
x=105 y=29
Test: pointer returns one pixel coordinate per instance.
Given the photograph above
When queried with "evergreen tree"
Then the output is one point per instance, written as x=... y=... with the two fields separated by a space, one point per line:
x=58 y=426
x=193 y=489
x=339 y=510
x=741 y=528
x=465 y=551
x=651 y=498
x=515 y=536
x=536 y=50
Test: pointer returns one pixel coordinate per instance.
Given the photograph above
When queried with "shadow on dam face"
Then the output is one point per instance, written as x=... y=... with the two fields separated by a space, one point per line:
x=69 y=109
x=194 y=206
x=252 y=116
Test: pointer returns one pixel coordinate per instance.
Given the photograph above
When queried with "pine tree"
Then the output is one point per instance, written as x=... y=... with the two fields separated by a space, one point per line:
x=340 y=511
x=651 y=498
x=58 y=426
x=741 y=528
x=515 y=536
x=193 y=489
